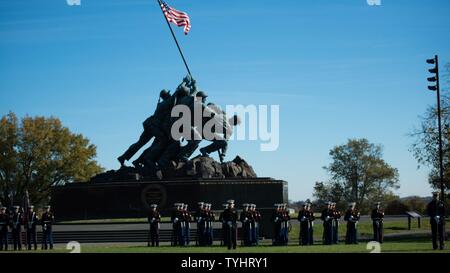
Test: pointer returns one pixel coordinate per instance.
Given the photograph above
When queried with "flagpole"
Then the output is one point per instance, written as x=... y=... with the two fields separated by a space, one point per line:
x=175 y=38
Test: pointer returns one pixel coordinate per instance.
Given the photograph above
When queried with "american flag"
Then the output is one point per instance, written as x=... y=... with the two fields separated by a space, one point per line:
x=177 y=17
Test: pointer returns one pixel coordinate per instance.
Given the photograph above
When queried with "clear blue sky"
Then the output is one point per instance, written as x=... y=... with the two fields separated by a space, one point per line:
x=338 y=70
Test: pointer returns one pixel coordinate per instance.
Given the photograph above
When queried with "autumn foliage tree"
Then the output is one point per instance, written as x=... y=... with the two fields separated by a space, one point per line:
x=358 y=174
x=37 y=153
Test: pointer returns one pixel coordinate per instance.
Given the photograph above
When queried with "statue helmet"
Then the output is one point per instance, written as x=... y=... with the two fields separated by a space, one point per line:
x=187 y=78
x=201 y=94
x=182 y=92
x=164 y=94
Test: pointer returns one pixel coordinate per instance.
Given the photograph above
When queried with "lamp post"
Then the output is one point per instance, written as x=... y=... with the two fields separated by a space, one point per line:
x=435 y=79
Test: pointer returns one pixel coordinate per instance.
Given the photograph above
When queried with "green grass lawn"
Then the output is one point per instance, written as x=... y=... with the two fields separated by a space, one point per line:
x=419 y=246
x=415 y=240
x=111 y=221
x=364 y=229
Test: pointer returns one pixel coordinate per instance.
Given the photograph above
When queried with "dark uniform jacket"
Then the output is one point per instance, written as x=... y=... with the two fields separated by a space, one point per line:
x=325 y=213
x=230 y=215
x=436 y=208
x=4 y=221
x=277 y=216
x=198 y=216
x=353 y=213
x=47 y=220
x=256 y=216
x=305 y=215
x=210 y=216
x=177 y=217
x=16 y=221
x=377 y=215
x=246 y=217
x=286 y=216
x=187 y=216
x=32 y=220
x=337 y=214
x=154 y=217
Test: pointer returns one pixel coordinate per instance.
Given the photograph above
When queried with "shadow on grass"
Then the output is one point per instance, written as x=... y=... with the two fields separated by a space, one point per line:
x=396 y=228
x=409 y=239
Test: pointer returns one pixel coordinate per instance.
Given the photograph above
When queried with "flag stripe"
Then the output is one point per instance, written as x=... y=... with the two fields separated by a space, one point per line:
x=179 y=18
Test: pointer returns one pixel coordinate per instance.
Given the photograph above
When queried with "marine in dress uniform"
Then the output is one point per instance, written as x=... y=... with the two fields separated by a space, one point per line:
x=311 y=223
x=177 y=225
x=199 y=219
x=306 y=218
x=352 y=217
x=336 y=218
x=327 y=218
x=246 y=219
x=209 y=220
x=436 y=211
x=277 y=220
x=154 y=219
x=4 y=223
x=255 y=224
x=377 y=216
x=187 y=224
x=47 y=220
x=16 y=228
x=230 y=217
x=223 y=242
x=285 y=225
x=31 y=224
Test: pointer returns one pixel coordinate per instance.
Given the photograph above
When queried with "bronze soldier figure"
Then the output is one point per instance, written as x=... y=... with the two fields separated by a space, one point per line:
x=221 y=133
x=151 y=129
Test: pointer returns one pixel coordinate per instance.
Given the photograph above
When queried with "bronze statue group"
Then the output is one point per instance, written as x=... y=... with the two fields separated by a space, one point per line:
x=166 y=147
x=11 y=228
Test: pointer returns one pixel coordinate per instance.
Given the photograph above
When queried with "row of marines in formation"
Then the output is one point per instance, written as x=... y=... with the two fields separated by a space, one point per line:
x=250 y=219
x=204 y=217
x=29 y=220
